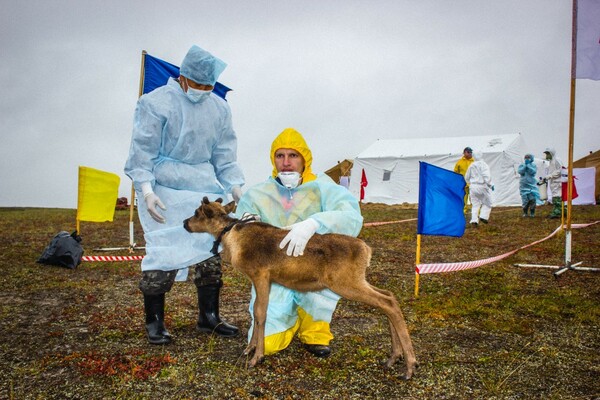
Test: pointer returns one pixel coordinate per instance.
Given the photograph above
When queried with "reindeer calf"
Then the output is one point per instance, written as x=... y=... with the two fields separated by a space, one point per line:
x=336 y=262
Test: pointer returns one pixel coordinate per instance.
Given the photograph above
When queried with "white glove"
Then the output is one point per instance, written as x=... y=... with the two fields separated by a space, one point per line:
x=236 y=193
x=300 y=234
x=152 y=201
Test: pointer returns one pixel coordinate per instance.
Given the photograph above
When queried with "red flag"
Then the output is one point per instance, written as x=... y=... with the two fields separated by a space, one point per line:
x=565 y=188
x=363 y=183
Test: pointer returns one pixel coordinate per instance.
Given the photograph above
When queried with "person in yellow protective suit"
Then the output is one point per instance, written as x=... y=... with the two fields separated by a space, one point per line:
x=294 y=198
x=461 y=167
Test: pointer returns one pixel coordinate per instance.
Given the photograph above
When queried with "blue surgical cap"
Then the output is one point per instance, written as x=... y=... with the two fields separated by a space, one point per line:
x=201 y=66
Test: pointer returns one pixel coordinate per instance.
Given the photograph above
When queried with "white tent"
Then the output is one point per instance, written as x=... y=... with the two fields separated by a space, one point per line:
x=392 y=166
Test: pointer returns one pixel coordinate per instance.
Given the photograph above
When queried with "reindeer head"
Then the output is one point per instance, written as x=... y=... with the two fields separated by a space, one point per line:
x=209 y=217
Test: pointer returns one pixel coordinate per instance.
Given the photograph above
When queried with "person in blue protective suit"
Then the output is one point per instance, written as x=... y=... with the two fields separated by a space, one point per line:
x=183 y=147
x=296 y=199
x=479 y=179
x=528 y=187
x=554 y=181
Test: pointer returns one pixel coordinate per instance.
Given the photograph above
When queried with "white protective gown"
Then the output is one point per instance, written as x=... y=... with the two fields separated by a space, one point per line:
x=479 y=178
x=554 y=174
x=187 y=151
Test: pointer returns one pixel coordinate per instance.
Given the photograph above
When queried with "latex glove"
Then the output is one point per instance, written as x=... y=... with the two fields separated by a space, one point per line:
x=299 y=235
x=152 y=202
x=236 y=193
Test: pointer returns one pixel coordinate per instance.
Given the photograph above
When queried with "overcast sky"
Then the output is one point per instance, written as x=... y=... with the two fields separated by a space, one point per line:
x=343 y=73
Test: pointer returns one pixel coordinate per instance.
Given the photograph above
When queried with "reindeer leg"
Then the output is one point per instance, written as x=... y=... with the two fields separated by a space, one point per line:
x=252 y=343
x=397 y=349
x=386 y=302
x=401 y=332
x=262 y=287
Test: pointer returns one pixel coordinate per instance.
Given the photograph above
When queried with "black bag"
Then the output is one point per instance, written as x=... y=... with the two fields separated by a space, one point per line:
x=64 y=250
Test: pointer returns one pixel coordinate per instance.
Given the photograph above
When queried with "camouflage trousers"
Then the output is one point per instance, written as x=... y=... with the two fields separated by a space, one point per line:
x=557 y=207
x=207 y=273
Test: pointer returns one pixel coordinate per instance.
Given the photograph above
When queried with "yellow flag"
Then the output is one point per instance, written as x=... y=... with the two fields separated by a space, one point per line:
x=97 y=197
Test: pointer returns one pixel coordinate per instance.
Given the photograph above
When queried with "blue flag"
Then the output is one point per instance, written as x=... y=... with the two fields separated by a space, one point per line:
x=441 y=201
x=157 y=72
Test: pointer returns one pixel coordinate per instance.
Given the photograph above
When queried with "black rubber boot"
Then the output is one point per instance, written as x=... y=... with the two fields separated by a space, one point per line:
x=154 y=307
x=208 y=312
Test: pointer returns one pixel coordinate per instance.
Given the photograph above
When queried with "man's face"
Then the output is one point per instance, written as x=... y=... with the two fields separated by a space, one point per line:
x=468 y=154
x=288 y=160
x=548 y=155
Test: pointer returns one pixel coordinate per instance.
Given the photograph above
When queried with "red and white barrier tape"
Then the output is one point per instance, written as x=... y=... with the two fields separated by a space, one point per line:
x=459 y=266
x=421 y=268
x=111 y=258
x=388 y=222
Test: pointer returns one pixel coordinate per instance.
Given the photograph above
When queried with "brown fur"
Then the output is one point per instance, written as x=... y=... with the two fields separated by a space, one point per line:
x=333 y=261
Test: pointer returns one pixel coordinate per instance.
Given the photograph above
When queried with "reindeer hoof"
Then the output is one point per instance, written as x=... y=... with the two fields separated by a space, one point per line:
x=390 y=362
x=255 y=361
x=410 y=370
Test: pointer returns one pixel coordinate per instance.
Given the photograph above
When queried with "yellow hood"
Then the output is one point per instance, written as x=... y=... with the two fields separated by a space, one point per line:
x=292 y=139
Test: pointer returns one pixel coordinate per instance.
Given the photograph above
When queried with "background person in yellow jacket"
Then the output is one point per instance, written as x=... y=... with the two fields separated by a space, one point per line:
x=296 y=199
x=461 y=167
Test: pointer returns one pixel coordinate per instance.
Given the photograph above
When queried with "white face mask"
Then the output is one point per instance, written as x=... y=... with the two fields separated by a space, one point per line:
x=197 y=95
x=289 y=179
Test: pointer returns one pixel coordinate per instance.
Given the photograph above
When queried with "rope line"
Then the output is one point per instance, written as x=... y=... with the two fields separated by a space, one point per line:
x=459 y=266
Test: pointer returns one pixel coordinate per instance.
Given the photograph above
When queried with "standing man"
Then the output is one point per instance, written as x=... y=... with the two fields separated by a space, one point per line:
x=461 y=167
x=296 y=199
x=183 y=147
x=528 y=187
x=479 y=178
x=554 y=181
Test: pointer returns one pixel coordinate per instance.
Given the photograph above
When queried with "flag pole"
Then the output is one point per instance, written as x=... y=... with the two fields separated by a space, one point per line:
x=571 y=139
x=140 y=93
x=417 y=262
x=568 y=261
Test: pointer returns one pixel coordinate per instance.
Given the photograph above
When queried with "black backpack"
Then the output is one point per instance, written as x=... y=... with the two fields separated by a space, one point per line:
x=64 y=250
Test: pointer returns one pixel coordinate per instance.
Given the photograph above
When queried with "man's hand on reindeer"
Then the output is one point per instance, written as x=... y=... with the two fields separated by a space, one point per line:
x=299 y=235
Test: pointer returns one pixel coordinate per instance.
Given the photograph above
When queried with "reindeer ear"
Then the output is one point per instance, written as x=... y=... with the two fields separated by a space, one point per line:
x=205 y=200
x=219 y=200
x=230 y=208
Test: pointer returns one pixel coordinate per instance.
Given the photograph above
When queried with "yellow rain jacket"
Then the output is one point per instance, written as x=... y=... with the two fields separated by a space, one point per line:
x=461 y=167
x=290 y=312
